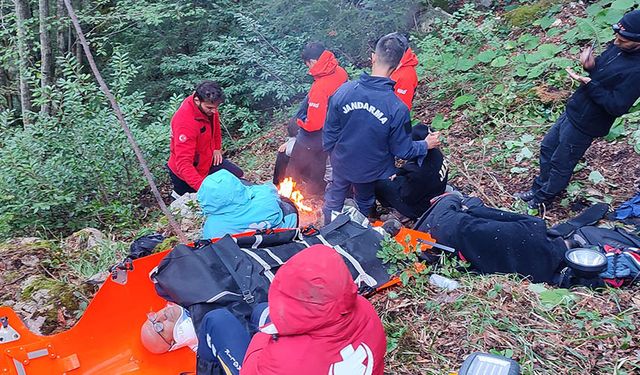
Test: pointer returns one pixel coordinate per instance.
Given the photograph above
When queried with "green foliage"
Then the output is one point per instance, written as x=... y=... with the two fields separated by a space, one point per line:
x=402 y=263
x=509 y=90
x=78 y=169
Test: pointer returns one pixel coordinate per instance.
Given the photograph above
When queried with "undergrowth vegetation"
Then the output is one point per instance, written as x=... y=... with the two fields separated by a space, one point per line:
x=504 y=79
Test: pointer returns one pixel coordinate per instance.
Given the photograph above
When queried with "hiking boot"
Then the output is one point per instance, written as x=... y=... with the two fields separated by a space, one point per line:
x=392 y=226
x=395 y=215
x=534 y=204
x=525 y=195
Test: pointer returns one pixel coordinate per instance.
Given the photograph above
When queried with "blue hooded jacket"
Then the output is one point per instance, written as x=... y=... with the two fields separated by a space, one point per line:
x=232 y=207
x=366 y=126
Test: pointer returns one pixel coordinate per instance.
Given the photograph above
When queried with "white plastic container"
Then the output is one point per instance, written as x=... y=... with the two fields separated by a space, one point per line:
x=443 y=282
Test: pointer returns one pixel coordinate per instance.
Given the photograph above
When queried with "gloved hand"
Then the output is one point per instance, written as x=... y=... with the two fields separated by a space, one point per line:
x=622 y=265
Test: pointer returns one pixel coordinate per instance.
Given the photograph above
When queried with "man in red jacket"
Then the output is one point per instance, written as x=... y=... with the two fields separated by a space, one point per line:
x=308 y=161
x=319 y=325
x=405 y=74
x=196 y=140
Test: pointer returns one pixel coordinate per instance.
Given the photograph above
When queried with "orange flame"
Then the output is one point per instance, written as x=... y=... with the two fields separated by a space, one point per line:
x=287 y=188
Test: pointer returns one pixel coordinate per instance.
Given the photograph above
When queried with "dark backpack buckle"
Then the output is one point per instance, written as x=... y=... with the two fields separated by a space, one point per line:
x=247 y=296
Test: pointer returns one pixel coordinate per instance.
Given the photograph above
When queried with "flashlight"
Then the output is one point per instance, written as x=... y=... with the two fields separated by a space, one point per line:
x=489 y=364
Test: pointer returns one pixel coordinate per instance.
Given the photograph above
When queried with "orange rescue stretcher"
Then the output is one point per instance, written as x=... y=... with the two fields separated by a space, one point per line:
x=106 y=340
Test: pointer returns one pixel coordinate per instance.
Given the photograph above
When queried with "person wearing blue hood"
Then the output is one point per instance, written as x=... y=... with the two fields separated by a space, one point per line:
x=608 y=92
x=232 y=207
x=366 y=127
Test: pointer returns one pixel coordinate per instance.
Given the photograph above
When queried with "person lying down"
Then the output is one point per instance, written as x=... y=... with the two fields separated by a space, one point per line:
x=231 y=206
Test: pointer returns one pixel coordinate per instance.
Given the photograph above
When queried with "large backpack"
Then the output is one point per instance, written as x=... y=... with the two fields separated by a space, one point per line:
x=235 y=273
x=492 y=240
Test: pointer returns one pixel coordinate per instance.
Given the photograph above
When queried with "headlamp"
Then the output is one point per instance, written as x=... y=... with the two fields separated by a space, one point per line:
x=619 y=29
x=586 y=262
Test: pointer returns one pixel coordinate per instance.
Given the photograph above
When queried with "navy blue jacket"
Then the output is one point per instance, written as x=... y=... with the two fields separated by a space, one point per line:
x=614 y=87
x=366 y=126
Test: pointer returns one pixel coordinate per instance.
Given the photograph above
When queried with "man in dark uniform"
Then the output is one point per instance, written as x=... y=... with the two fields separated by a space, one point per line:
x=610 y=90
x=366 y=127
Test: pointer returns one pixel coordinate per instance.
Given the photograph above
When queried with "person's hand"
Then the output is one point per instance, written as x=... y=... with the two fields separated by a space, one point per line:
x=283 y=147
x=433 y=140
x=577 y=77
x=217 y=157
x=586 y=58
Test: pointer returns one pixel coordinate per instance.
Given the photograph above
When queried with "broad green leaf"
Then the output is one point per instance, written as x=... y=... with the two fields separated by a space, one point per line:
x=499 y=62
x=513 y=144
x=465 y=64
x=545 y=22
x=499 y=89
x=537 y=70
x=486 y=56
x=510 y=44
x=537 y=288
x=525 y=153
x=549 y=50
x=534 y=58
x=623 y=4
x=521 y=71
x=613 y=16
x=463 y=100
x=439 y=123
x=529 y=41
x=594 y=9
x=518 y=170
x=596 y=177
x=554 y=297
x=616 y=131
x=526 y=138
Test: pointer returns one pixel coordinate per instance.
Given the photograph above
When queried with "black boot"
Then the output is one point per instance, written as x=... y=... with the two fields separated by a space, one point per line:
x=525 y=195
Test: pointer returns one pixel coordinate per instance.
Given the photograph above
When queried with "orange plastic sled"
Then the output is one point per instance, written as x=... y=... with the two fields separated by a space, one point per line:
x=106 y=340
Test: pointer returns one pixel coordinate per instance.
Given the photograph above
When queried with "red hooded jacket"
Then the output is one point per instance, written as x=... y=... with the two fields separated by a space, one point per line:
x=406 y=77
x=328 y=76
x=323 y=326
x=194 y=136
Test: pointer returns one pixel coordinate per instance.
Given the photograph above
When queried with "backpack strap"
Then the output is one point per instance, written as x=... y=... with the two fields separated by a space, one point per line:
x=226 y=246
x=339 y=221
x=588 y=216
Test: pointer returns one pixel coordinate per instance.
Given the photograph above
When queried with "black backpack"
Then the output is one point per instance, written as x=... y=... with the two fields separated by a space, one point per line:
x=236 y=273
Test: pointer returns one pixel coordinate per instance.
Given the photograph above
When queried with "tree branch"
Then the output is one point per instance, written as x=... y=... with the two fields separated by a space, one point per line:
x=116 y=108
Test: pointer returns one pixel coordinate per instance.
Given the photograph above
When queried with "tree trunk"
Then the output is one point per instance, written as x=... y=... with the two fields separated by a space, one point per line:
x=45 y=56
x=22 y=11
x=61 y=13
x=78 y=46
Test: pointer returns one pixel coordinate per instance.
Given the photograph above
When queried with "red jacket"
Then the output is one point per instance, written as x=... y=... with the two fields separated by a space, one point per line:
x=193 y=139
x=323 y=326
x=406 y=77
x=328 y=76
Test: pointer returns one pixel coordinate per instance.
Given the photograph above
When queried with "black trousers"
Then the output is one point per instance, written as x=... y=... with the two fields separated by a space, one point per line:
x=389 y=194
x=181 y=187
x=560 y=151
x=308 y=163
x=280 y=169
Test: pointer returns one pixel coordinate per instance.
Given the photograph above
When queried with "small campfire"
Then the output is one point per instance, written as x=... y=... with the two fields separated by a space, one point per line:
x=287 y=188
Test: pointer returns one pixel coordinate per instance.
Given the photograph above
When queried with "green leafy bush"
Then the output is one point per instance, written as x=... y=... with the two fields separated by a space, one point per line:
x=78 y=169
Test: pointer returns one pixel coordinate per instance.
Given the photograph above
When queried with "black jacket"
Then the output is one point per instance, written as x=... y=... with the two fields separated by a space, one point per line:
x=421 y=182
x=614 y=88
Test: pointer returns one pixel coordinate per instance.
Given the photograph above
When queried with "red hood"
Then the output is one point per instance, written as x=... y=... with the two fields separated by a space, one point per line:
x=408 y=59
x=313 y=290
x=325 y=65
